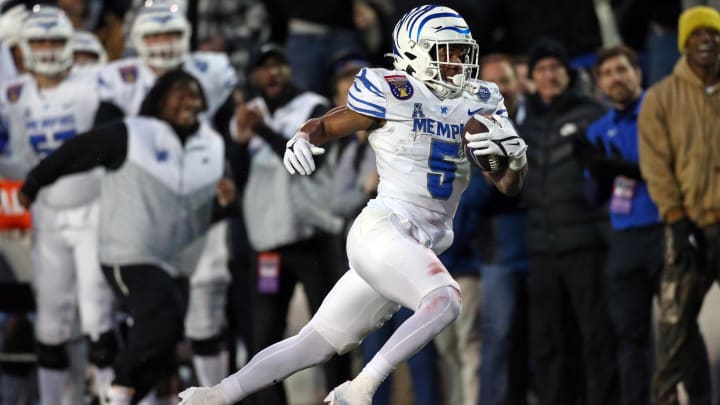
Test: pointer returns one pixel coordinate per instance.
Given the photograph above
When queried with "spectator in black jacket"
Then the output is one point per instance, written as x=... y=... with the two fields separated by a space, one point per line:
x=567 y=238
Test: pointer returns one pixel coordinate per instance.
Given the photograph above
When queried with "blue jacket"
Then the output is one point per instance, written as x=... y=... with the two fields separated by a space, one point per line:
x=617 y=133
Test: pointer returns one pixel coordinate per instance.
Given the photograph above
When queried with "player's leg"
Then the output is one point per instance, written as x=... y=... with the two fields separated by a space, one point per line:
x=95 y=298
x=55 y=294
x=350 y=311
x=205 y=318
x=383 y=249
x=204 y=324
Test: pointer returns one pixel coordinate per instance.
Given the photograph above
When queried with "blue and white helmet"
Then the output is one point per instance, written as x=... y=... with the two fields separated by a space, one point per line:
x=156 y=19
x=419 y=35
x=87 y=42
x=46 y=23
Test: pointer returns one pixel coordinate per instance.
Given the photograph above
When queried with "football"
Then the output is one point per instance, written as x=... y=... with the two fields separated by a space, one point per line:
x=489 y=163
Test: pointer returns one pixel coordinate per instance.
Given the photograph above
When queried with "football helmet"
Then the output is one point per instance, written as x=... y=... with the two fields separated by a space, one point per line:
x=156 y=19
x=46 y=23
x=84 y=41
x=418 y=39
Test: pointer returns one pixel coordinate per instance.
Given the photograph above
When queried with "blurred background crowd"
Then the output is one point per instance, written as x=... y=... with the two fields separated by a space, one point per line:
x=585 y=289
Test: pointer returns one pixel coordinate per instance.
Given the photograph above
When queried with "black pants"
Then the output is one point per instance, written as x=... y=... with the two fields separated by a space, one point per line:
x=571 y=339
x=316 y=264
x=682 y=355
x=156 y=303
x=632 y=277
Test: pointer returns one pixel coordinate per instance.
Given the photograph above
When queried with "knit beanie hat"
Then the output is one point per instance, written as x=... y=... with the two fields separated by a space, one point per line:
x=547 y=48
x=694 y=18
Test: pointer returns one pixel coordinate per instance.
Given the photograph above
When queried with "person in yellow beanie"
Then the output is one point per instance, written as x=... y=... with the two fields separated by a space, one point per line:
x=693 y=18
x=679 y=144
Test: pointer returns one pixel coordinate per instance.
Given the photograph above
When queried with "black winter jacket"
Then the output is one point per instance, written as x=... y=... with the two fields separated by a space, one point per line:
x=560 y=216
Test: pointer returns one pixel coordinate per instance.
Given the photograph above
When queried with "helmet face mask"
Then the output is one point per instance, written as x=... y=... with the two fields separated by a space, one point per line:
x=161 y=36
x=45 y=41
x=429 y=43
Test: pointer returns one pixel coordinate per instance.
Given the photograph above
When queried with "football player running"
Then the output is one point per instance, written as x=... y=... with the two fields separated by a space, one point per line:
x=161 y=36
x=416 y=115
x=42 y=109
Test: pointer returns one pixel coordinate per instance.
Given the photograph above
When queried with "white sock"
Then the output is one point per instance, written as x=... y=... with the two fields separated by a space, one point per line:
x=436 y=311
x=276 y=362
x=53 y=384
x=102 y=379
x=211 y=370
x=373 y=374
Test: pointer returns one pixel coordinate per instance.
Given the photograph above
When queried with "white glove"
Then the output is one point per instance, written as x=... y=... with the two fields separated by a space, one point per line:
x=499 y=140
x=299 y=154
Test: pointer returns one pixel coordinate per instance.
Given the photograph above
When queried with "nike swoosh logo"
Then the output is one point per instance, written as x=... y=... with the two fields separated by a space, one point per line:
x=516 y=143
x=473 y=112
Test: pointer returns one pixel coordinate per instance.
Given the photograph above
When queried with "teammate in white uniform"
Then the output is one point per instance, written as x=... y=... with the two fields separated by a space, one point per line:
x=416 y=114
x=161 y=35
x=87 y=50
x=43 y=109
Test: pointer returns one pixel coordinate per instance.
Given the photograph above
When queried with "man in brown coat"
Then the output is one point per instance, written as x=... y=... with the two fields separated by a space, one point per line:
x=679 y=128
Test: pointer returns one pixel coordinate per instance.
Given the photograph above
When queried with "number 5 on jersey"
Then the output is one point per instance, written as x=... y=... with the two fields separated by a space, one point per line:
x=442 y=174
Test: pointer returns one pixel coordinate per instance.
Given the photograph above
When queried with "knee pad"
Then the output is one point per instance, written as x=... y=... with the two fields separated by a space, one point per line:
x=208 y=347
x=444 y=302
x=102 y=352
x=52 y=356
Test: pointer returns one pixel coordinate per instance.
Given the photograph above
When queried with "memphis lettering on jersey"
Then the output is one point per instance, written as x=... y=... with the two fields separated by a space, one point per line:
x=429 y=126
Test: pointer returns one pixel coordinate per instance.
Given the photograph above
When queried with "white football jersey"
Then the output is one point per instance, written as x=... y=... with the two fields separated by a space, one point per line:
x=126 y=82
x=39 y=121
x=420 y=158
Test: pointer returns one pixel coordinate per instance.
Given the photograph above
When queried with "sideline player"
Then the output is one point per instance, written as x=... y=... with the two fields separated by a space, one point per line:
x=161 y=36
x=87 y=50
x=416 y=114
x=43 y=109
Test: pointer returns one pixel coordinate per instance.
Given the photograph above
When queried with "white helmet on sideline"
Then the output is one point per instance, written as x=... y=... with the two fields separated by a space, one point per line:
x=157 y=19
x=87 y=42
x=46 y=23
x=417 y=39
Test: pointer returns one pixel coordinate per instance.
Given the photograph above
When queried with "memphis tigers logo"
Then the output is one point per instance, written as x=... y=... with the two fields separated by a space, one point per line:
x=13 y=92
x=129 y=74
x=400 y=86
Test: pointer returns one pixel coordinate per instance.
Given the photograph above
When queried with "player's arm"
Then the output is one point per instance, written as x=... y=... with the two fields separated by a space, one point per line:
x=510 y=182
x=104 y=146
x=335 y=124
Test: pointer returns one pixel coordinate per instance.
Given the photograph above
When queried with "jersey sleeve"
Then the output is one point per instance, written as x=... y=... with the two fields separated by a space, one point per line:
x=108 y=85
x=366 y=95
x=486 y=100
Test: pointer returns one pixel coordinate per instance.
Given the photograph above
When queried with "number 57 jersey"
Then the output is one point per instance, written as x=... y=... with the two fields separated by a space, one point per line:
x=420 y=158
x=38 y=121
